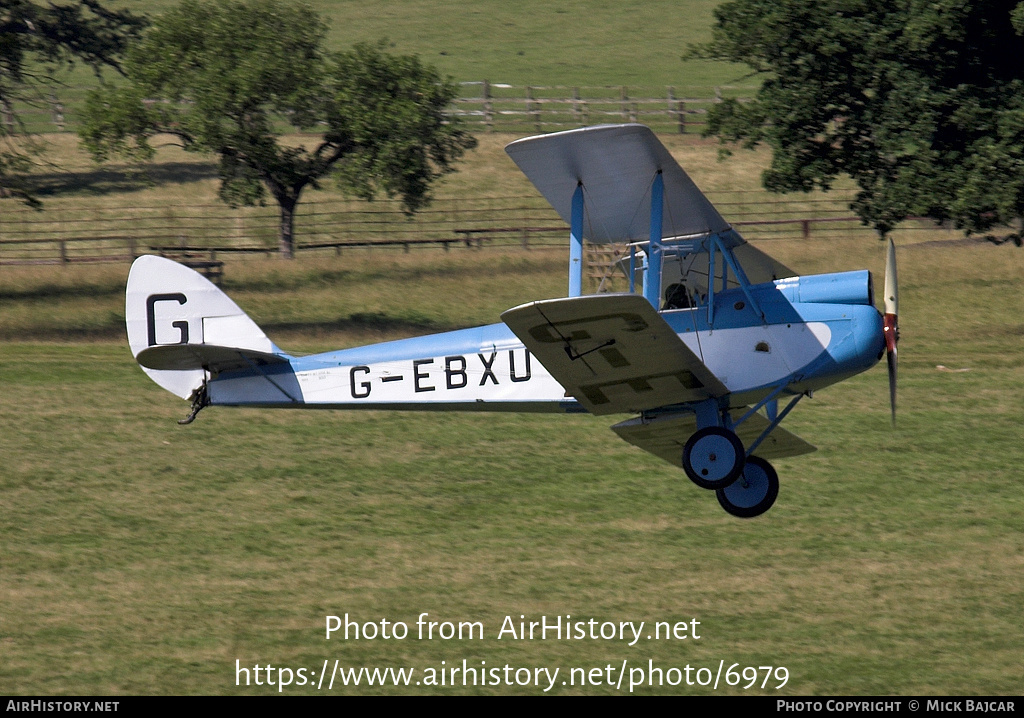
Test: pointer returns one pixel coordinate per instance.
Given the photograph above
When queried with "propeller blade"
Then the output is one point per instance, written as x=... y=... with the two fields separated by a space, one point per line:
x=891 y=360
x=892 y=294
x=890 y=323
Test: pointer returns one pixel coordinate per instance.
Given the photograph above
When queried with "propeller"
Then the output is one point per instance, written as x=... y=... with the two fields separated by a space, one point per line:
x=890 y=322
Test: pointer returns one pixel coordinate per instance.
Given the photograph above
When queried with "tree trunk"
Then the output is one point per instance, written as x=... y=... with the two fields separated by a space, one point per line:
x=286 y=233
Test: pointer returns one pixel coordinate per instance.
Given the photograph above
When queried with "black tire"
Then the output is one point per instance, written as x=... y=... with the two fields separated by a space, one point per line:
x=754 y=493
x=719 y=457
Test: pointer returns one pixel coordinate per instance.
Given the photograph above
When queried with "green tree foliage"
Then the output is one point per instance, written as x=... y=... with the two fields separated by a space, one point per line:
x=227 y=77
x=36 y=40
x=921 y=102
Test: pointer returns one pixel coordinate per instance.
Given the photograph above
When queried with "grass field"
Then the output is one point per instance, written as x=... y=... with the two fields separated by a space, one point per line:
x=591 y=44
x=144 y=557
x=141 y=557
x=602 y=42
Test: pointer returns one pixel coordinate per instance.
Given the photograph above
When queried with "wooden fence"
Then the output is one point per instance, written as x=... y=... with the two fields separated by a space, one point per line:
x=110 y=233
x=508 y=108
x=115 y=234
x=484 y=105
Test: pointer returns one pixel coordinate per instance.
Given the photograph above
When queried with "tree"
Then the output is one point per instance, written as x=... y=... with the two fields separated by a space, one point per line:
x=920 y=102
x=35 y=42
x=225 y=77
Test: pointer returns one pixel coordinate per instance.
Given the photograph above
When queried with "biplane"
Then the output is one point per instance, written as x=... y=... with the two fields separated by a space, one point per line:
x=711 y=348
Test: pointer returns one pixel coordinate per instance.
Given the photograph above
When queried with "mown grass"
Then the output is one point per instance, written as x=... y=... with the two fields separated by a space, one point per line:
x=593 y=44
x=144 y=557
x=540 y=43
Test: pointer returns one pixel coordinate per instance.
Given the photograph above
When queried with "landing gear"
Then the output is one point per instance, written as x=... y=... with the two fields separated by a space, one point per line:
x=713 y=458
x=200 y=400
x=754 y=492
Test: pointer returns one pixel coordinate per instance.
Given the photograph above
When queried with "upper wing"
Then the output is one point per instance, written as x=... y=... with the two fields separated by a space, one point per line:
x=615 y=165
x=666 y=435
x=613 y=352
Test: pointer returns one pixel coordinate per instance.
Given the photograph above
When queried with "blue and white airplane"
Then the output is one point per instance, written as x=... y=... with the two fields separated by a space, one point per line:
x=712 y=335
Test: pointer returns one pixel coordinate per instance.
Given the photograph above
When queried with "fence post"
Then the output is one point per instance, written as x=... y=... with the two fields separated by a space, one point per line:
x=805 y=226
x=677 y=108
x=623 y=100
x=672 y=103
x=488 y=106
x=58 y=111
x=532 y=108
x=311 y=218
x=576 y=105
x=63 y=251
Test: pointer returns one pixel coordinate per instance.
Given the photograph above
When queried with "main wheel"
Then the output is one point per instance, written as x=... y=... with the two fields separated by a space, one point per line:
x=753 y=493
x=713 y=457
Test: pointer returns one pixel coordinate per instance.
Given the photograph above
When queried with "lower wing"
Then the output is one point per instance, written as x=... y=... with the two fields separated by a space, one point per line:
x=665 y=436
x=613 y=352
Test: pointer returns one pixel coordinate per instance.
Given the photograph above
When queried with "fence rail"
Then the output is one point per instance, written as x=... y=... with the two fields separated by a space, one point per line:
x=508 y=108
x=484 y=105
x=114 y=234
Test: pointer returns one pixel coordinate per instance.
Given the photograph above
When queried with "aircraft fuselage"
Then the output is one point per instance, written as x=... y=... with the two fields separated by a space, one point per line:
x=815 y=331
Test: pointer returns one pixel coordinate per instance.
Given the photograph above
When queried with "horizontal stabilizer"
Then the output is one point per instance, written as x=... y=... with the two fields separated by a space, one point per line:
x=665 y=436
x=214 y=359
x=613 y=352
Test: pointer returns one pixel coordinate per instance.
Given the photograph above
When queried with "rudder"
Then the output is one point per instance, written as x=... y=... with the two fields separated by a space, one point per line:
x=169 y=305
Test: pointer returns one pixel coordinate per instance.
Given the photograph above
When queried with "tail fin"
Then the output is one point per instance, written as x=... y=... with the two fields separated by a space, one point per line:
x=181 y=326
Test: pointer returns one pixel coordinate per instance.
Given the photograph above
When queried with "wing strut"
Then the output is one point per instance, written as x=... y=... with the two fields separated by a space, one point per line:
x=741 y=277
x=716 y=245
x=652 y=282
x=576 y=243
